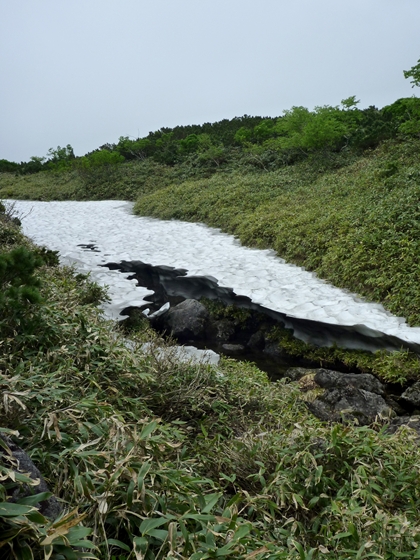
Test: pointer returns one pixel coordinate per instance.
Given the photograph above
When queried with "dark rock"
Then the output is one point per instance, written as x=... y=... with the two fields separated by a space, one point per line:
x=223 y=329
x=333 y=379
x=392 y=402
x=188 y=319
x=273 y=350
x=412 y=394
x=50 y=508
x=348 y=404
x=257 y=341
x=412 y=422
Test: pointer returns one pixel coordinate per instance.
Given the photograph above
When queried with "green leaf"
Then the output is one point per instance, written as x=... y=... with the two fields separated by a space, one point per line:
x=199 y=556
x=142 y=473
x=116 y=542
x=160 y=534
x=184 y=531
x=77 y=533
x=37 y=517
x=149 y=524
x=300 y=549
x=241 y=532
x=130 y=491
x=14 y=510
x=148 y=429
x=83 y=544
x=35 y=499
x=211 y=501
x=225 y=549
x=198 y=517
x=24 y=552
x=313 y=501
x=318 y=474
x=140 y=545
x=66 y=552
x=342 y=535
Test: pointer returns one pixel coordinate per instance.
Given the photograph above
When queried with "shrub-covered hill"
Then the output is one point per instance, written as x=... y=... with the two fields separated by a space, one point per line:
x=154 y=459
x=357 y=226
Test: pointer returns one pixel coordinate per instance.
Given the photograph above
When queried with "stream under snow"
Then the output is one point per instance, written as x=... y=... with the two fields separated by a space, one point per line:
x=91 y=234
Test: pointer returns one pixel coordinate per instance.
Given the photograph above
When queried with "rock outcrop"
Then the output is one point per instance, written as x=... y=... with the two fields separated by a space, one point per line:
x=188 y=320
x=412 y=395
x=20 y=461
x=349 y=404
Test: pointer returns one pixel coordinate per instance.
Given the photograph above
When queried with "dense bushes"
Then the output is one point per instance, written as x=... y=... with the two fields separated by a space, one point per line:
x=19 y=292
x=274 y=140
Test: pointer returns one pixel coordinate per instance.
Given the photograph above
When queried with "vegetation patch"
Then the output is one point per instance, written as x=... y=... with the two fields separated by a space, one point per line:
x=397 y=367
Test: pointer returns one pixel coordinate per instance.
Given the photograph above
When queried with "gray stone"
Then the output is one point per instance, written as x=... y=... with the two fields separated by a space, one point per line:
x=50 y=508
x=333 y=379
x=348 y=404
x=412 y=422
x=393 y=402
x=412 y=394
x=233 y=347
x=188 y=319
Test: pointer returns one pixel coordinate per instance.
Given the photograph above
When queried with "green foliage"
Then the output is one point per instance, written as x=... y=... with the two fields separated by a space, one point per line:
x=41 y=186
x=99 y=168
x=243 y=135
x=26 y=534
x=189 y=144
x=406 y=114
x=19 y=293
x=34 y=165
x=9 y=226
x=218 y=310
x=99 y=159
x=60 y=159
x=414 y=74
x=350 y=102
x=8 y=166
x=134 y=149
x=90 y=292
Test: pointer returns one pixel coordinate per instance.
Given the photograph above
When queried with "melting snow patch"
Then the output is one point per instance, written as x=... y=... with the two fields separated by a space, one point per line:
x=90 y=234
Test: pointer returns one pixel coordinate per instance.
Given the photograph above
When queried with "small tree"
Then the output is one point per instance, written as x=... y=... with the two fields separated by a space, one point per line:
x=414 y=74
x=19 y=293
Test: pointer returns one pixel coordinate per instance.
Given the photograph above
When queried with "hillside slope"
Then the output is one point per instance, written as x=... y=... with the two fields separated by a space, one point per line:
x=357 y=226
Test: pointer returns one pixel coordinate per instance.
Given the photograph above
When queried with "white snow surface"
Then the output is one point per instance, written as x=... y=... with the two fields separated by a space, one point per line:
x=266 y=279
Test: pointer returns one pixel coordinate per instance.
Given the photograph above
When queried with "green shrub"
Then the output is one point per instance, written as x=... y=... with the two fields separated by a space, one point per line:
x=19 y=295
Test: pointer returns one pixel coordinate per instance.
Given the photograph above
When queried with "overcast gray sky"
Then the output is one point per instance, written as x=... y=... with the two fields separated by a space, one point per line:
x=85 y=72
